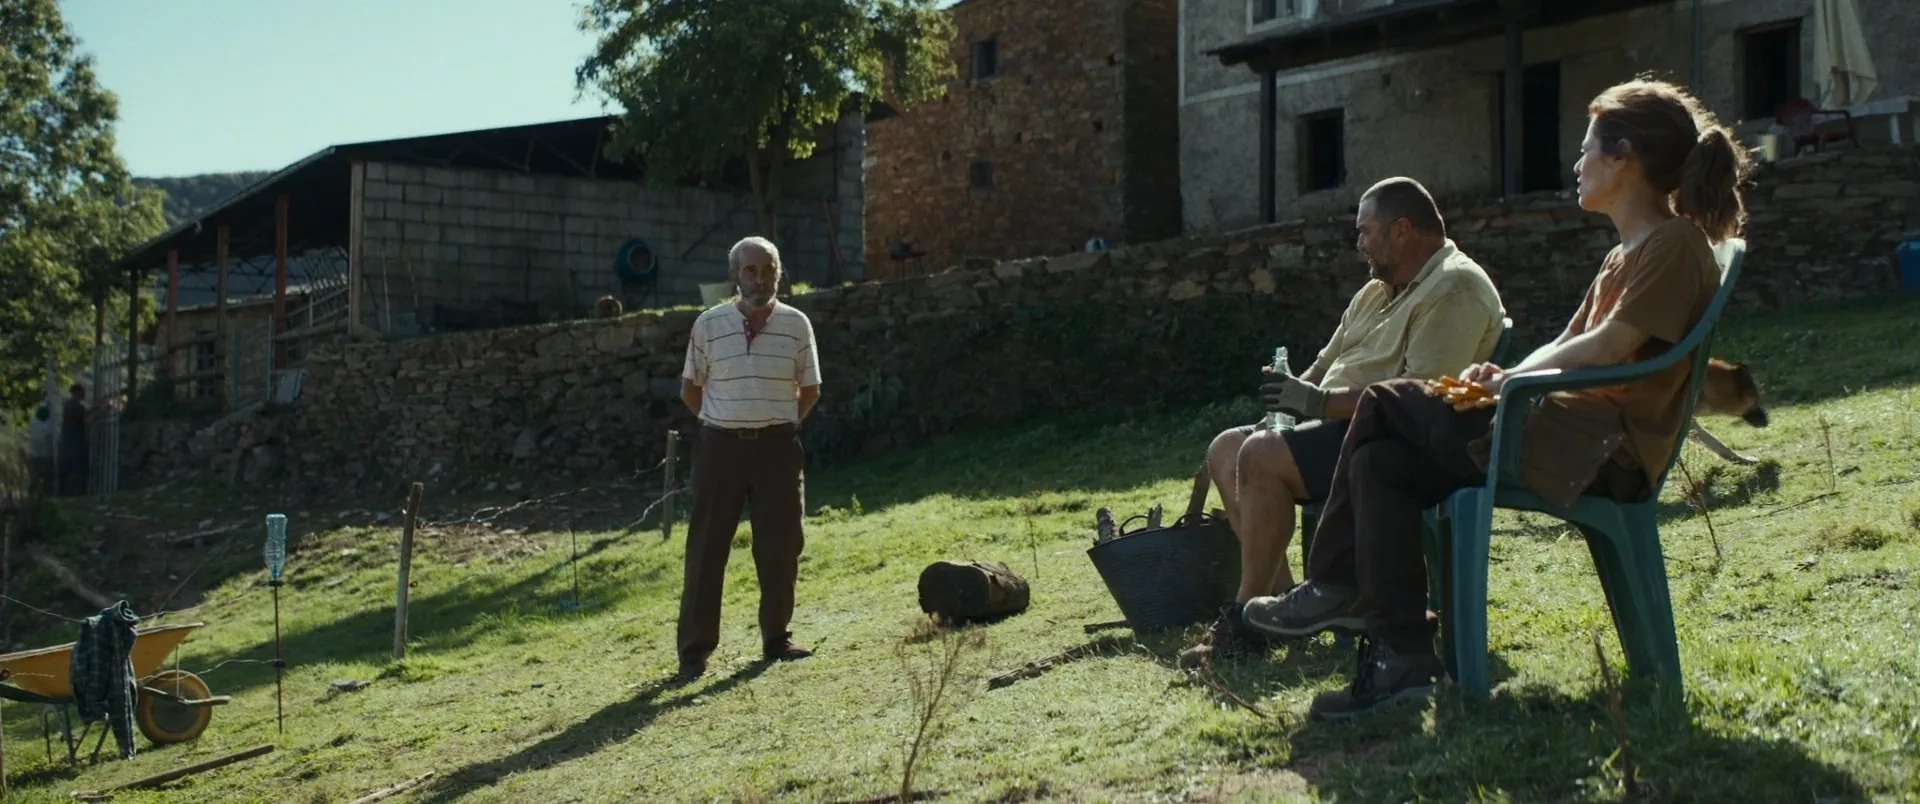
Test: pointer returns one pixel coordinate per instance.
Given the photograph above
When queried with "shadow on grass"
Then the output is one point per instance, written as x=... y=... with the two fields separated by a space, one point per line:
x=447 y=620
x=1118 y=454
x=612 y=724
x=1821 y=351
x=1724 y=486
x=1541 y=744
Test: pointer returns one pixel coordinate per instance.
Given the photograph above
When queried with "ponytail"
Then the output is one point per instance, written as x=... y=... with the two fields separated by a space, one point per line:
x=1710 y=182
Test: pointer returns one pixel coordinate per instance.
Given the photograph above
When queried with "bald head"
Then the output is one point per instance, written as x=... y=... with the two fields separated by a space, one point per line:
x=1401 y=197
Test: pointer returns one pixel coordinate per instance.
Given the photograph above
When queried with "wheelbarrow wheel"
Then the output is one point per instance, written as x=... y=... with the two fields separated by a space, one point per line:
x=166 y=722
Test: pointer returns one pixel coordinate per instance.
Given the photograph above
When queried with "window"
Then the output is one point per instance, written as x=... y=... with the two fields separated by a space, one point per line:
x=980 y=174
x=1770 y=57
x=986 y=59
x=1259 y=11
x=201 y=362
x=1321 y=139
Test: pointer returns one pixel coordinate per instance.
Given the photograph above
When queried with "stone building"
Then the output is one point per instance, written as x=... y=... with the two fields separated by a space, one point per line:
x=1345 y=92
x=1059 y=127
x=469 y=230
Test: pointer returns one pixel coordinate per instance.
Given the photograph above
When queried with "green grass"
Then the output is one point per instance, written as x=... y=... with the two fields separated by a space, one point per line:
x=1803 y=677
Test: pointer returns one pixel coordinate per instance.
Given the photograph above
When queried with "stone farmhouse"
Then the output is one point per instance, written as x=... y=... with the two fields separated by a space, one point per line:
x=1059 y=127
x=1293 y=107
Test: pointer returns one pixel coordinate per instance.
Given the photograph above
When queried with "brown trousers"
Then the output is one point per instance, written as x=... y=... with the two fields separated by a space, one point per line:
x=1405 y=452
x=766 y=465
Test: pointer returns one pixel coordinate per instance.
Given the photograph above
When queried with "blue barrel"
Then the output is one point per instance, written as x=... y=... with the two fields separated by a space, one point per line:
x=1908 y=258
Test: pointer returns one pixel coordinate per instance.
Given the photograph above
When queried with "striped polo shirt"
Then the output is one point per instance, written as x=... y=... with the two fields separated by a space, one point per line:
x=747 y=385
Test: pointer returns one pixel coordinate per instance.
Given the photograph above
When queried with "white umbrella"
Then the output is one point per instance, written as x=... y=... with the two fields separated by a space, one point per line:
x=1842 y=67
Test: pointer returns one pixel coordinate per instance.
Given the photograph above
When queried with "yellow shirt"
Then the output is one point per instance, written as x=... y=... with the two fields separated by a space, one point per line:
x=1448 y=318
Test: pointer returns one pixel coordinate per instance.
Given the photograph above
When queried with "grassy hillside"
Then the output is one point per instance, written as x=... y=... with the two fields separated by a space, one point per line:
x=536 y=675
x=188 y=196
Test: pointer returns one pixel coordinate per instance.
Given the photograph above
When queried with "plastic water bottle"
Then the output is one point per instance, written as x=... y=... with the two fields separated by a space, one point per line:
x=276 y=545
x=1277 y=420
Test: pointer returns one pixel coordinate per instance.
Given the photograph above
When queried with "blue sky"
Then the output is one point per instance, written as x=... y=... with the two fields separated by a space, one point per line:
x=219 y=85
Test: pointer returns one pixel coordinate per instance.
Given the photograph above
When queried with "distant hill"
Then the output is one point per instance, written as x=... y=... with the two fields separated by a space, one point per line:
x=188 y=196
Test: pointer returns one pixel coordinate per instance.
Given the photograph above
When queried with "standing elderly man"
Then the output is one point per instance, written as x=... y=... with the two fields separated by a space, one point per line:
x=1428 y=310
x=752 y=375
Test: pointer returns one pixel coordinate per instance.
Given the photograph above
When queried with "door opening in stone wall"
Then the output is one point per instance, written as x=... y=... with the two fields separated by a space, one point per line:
x=1540 y=136
x=1769 y=68
x=1321 y=141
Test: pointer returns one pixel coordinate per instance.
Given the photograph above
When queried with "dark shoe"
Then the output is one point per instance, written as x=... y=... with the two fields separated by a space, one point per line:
x=690 y=669
x=783 y=650
x=972 y=590
x=1227 y=638
x=1308 y=609
x=1382 y=677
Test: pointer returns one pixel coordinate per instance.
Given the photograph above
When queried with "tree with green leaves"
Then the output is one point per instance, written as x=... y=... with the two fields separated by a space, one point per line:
x=708 y=82
x=68 y=208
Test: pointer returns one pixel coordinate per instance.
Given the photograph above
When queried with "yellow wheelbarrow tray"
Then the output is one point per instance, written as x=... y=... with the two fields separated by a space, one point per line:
x=174 y=706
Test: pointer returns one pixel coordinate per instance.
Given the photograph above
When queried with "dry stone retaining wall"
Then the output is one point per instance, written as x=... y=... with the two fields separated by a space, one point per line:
x=1160 y=324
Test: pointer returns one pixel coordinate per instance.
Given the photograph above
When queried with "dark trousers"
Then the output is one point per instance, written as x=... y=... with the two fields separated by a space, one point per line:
x=76 y=469
x=40 y=477
x=729 y=468
x=1405 y=452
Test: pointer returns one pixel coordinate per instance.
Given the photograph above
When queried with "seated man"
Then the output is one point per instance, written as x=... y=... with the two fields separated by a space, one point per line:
x=1658 y=164
x=1429 y=311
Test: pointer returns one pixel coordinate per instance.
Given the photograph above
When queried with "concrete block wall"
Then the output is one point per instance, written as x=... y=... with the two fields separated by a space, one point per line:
x=467 y=239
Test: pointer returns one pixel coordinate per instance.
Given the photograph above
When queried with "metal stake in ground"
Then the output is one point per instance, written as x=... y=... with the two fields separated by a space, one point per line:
x=406 y=569
x=666 y=516
x=276 y=551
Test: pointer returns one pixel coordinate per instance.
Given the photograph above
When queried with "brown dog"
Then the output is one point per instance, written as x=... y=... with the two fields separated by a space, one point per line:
x=1727 y=390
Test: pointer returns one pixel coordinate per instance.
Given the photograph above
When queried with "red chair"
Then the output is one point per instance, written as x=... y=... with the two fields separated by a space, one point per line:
x=1802 y=120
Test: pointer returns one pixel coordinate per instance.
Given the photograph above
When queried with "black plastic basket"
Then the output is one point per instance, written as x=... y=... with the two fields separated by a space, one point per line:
x=1171 y=577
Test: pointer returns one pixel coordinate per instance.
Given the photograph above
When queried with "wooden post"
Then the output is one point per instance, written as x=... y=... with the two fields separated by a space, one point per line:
x=356 y=244
x=173 y=309
x=132 y=389
x=279 y=280
x=1510 y=106
x=1269 y=133
x=220 y=346
x=406 y=570
x=666 y=485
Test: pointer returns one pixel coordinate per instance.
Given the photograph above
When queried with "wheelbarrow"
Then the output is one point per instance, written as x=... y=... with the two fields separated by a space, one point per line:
x=173 y=706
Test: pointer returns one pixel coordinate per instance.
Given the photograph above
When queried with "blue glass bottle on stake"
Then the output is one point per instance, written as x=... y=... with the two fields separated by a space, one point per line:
x=276 y=552
x=276 y=545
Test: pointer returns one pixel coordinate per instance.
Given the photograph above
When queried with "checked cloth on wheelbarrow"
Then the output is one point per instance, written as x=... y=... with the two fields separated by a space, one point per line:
x=102 y=672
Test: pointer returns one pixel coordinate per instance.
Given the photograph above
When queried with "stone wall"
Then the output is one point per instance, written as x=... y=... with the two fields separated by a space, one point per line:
x=1158 y=324
x=1071 y=138
x=1432 y=114
x=440 y=243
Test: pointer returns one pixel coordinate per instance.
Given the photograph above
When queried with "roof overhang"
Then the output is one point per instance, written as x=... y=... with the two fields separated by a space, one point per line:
x=1409 y=25
x=318 y=186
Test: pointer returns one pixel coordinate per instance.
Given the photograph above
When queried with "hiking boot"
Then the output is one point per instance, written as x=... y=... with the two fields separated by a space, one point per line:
x=1228 y=637
x=1381 y=677
x=973 y=590
x=783 y=650
x=1306 y=610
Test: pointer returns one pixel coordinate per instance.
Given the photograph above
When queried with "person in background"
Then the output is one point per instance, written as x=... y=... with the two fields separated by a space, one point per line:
x=76 y=460
x=1668 y=174
x=752 y=375
x=42 y=446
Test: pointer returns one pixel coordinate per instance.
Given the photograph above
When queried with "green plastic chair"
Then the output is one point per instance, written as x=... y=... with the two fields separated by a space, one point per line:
x=1624 y=538
x=1310 y=512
